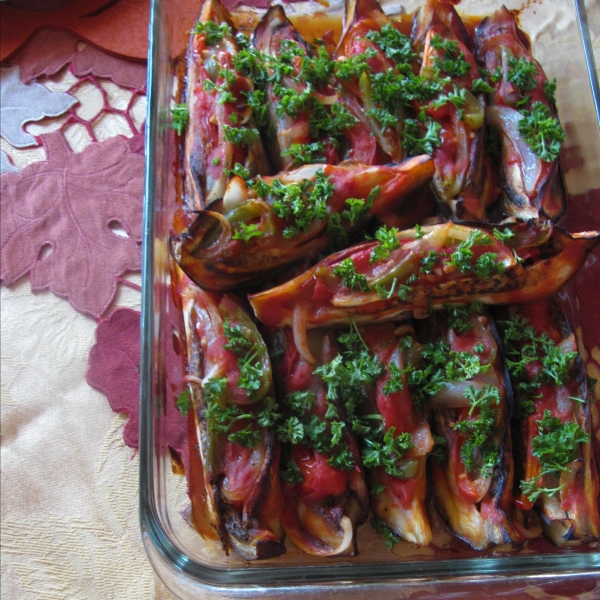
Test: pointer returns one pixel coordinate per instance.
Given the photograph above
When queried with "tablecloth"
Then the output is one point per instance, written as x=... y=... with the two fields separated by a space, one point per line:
x=69 y=483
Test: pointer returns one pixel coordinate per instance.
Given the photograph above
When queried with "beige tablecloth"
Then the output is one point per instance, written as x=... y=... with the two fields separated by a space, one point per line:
x=69 y=497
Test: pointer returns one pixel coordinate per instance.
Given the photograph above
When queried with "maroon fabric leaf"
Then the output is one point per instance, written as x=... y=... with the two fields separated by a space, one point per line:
x=114 y=370
x=46 y=53
x=56 y=218
x=114 y=367
x=124 y=73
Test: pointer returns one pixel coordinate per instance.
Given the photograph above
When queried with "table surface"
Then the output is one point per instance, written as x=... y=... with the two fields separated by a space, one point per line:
x=69 y=484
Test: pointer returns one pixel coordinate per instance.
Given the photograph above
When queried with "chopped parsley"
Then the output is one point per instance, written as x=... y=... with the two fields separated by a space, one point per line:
x=212 y=32
x=480 y=452
x=184 y=402
x=350 y=278
x=245 y=232
x=394 y=44
x=180 y=116
x=555 y=446
x=453 y=61
x=522 y=346
x=299 y=204
x=458 y=315
x=522 y=73
x=240 y=136
x=386 y=450
x=388 y=241
x=542 y=132
x=481 y=86
x=462 y=257
x=415 y=143
x=306 y=154
x=379 y=526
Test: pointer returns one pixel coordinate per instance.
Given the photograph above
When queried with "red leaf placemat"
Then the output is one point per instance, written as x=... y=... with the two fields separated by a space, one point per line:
x=56 y=219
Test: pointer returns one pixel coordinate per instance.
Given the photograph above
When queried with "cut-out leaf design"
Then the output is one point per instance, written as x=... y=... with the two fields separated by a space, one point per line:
x=56 y=221
x=22 y=103
x=5 y=165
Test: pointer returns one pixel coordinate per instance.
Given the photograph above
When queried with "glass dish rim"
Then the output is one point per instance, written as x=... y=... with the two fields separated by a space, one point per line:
x=282 y=577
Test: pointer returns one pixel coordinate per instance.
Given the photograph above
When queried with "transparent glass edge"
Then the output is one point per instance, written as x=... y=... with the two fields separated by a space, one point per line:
x=242 y=579
x=582 y=22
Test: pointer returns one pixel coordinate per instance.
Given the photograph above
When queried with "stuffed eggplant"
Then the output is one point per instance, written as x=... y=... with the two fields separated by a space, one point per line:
x=255 y=231
x=559 y=472
x=221 y=130
x=464 y=182
x=523 y=110
x=412 y=272
x=463 y=377
x=325 y=494
x=230 y=392
x=395 y=435
x=373 y=59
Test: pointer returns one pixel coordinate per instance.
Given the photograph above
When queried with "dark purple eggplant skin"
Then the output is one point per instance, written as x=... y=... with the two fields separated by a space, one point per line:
x=584 y=525
x=273 y=27
x=547 y=198
x=513 y=526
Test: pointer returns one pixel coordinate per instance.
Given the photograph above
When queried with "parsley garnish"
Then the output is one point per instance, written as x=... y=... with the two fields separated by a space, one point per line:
x=414 y=143
x=379 y=526
x=299 y=204
x=481 y=86
x=184 y=402
x=388 y=241
x=386 y=451
x=458 y=315
x=480 y=452
x=522 y=73
x=291 y=473
x=317 y=70
x=555 y=446
x=246 y=232
x=395 y=45
x=462 y=257
x=306 y=154
x=180 y=116
x=503 y=236
x=212 y=32
x=453 y=61
x=429 y=261
x=487 y=265
x=549 y=90
x=240 y=136
x=351 y=279
x=352 y=66
x=542 y=132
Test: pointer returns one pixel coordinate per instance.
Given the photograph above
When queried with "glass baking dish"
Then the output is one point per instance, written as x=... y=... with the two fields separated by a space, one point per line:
x=193 y=568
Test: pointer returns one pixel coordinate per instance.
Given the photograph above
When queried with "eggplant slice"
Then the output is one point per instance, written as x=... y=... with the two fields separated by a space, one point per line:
x=217 y=103
x=422 y=271
x=215 y=254
x=532 y=183
x=239 y=478
x=324 y=487
x=558 y=470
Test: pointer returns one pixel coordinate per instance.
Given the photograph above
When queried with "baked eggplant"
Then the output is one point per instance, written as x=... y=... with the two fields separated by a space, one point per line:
x=230 y=392
x=415 y=271
x=558 y=467
x=523 y=110
x=361 y=62
x=464 y=181
x=395 y=436
x=253 y=232
x=464 y=380
x=323 y=482
x=221 y=132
